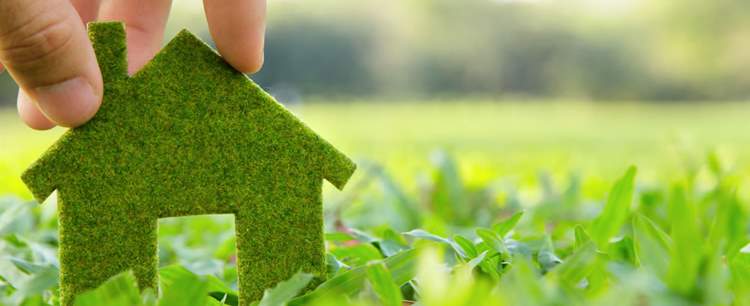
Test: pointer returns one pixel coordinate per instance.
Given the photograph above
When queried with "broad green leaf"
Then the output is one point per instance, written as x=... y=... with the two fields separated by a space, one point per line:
x=338 y=237
x=36 y=300
x=740 y=277
x=227 y=248
x=182 y=287
x=623 y=250
x=204 y=287
x=491 y=264
x=578 y=265
x=333 y=265
x=582 y=237
x=714 y=163
x=715 y=284
x=392 y=243
x=728 y=226
x=120 y=290
x=225 y=298
x=522 y=286
x=402 y=267
x=477 y=260
x=27 y=267
x=466 y=245
x=652 y=245
x=285 y=291
x=616 y=210
x=37 y=283
x=504 y=227
x=217 y=284
x=362 y=236
x=389 y=294
x=358 y=254
x=448 y=196
x=493 y=240
x=422 y=234
x=717 y=233
x=546 y=257
x=598 y=278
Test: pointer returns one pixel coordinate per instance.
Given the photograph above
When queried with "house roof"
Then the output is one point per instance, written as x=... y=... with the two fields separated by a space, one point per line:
x=189 y=105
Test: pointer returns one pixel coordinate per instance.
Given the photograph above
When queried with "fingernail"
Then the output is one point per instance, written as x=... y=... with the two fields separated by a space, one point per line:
x=31 y=115
x=69 y=103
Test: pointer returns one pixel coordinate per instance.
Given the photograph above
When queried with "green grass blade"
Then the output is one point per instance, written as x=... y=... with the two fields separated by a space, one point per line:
x=406 y=206
x=715 y=284
x=448 y=198
x=685 y=253
x=546 y=258
x=422 y=234
x=521 y=286
x=476 y=261
x=652 y=245
x=623 y=250
x=466 y=245
x=616 y=210
x=727 y=218
x=578 y=265
x=285 y=291
x=382 y=283
x=357 y=255
x=402 y=267
x=740 y=279
x=504 y=227
x=581 y=236
x=493 y=240
x=120 y=290
x=27 y=267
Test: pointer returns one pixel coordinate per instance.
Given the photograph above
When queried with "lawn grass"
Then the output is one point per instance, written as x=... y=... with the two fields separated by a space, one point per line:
x=526 y=204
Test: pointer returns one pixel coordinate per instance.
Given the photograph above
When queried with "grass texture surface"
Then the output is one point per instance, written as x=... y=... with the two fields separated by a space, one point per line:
x=186 y=135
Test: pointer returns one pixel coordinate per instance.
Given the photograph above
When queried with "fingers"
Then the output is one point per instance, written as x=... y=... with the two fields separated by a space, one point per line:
x=27 y=109
x=31 y=115
x=87 y=10
x=238 y=28
x=44 y=46
x=144 y=23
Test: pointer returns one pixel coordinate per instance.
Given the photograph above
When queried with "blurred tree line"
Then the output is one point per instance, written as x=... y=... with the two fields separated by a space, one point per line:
x=579 y=49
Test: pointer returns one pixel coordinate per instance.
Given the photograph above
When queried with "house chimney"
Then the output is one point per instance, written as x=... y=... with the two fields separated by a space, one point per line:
x=110 y=47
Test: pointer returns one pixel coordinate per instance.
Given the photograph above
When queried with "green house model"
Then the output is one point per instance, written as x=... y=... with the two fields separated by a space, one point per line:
x=186 y=135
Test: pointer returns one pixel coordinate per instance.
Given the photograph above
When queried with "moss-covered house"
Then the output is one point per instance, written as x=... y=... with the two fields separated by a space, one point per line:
x=186 y=135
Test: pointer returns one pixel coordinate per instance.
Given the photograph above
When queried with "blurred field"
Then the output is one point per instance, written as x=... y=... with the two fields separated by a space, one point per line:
x=464 y=203
x=516 y=140
x=494 y=140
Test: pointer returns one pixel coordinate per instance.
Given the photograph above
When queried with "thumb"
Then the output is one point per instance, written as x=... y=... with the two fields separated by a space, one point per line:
x=44 y=46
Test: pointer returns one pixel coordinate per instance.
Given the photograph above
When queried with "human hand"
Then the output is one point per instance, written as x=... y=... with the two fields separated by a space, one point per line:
x=44 y=46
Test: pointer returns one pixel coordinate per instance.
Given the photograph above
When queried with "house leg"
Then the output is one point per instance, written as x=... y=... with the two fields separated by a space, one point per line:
x=276 y=240
x=98 y=242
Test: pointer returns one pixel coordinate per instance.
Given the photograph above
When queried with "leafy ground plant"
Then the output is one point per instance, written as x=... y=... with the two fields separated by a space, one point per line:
x=447 y=242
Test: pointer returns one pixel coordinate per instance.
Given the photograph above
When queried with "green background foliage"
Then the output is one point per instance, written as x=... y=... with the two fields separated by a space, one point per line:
x=584 y=49
x=515 y=212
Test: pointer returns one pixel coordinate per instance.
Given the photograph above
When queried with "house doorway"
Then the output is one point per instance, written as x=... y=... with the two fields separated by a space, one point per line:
x=204 y=244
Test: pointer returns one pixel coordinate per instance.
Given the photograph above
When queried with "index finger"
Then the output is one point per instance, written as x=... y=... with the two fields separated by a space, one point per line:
x=238 y=28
